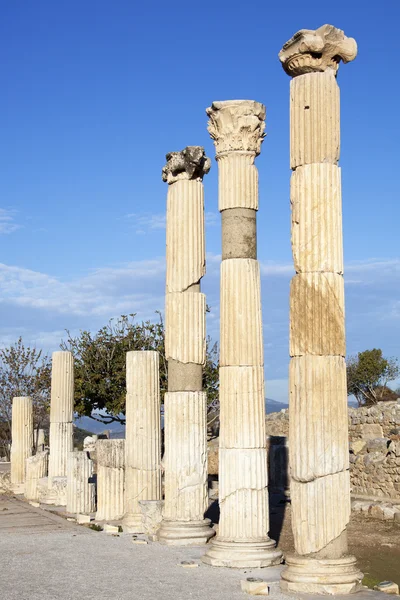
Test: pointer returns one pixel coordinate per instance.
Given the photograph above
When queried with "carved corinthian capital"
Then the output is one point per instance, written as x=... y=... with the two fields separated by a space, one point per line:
x=237 y=126
x=190 y=163
x=311 y=51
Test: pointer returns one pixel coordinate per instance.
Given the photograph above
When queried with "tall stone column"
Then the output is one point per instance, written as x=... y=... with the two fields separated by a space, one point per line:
x=110 y=479
x=237 y=128
x=318 y=427
x=185 y=414
x=142 y=435
x=21 y=440
x=61 y=413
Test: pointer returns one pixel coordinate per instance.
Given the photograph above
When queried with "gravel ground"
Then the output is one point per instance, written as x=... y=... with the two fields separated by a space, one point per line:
x=44 y=557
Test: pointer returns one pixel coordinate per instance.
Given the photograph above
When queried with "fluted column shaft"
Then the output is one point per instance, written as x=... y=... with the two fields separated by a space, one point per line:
x=142 y=435
x=238 y=129
x=36 y=469
x=318 y=426
x=110 y=479
x=185 y=414
x=61 y=413
x=22 y=437
x=80 y=485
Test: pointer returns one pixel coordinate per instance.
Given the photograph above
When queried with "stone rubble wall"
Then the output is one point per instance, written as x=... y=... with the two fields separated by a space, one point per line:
x=374 y=437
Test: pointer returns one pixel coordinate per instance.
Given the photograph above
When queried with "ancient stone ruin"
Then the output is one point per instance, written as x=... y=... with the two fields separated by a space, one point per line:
x=127 y=482
x=237 y=129
x=185 y=404
x=319 y=456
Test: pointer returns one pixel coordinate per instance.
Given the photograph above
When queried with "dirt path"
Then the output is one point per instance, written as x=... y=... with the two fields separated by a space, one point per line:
x=376 y=544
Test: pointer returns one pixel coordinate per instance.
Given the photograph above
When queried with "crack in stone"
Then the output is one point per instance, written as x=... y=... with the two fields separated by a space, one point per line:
x=316 y=477
x=243 y=489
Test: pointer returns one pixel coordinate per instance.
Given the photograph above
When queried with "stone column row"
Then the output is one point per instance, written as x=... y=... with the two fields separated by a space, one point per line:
x=318 y=426
x=185 y=404
x=237 y=128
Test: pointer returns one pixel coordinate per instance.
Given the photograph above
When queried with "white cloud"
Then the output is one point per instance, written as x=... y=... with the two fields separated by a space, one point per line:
x=129 y=287
x=7 y=223
x=144 y=222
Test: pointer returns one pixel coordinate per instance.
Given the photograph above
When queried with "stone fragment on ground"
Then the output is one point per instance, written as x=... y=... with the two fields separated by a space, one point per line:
x=387 y=587
x=254 y=586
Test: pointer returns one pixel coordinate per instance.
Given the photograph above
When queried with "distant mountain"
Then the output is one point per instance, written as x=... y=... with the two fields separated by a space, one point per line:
x=117 y=431
x=272 y=406
x=96 y=427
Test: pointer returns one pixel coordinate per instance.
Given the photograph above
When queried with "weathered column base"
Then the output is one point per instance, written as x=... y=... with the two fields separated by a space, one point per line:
x=242 y=555
x=56 y=492
x=185 y=533
x=329 y=576
x=132 y=523
x=18 y=489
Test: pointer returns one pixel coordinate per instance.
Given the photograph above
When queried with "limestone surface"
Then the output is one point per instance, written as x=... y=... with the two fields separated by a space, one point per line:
x=80 y=484
x=185 y=459
x=242 y=424
x=22 y=437
x=61 y=413
x=315 y=196
x=142 y=436
x=152 y=514
x=241 y=319
x=185 y=250
x=36 y=469
x=237 y=128
x=185 y=327
x=314 y=119
x=185 y=470
x=319 y=459
x=317 y=50
x=110 y=479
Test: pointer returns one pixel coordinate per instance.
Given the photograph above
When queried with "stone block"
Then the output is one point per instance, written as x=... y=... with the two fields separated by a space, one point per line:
x=254 y=586
x=378 y=445
x=371 y=431
x=152 y=514
x=317 y=315
x=388 y=587
x=185 y=327
x=316 y=520
x=241 y=320
x=314 y=119
x=357 y=446
x=242 y=422
x=318 y=398
x=315 y=195
x=110 y=528
x=238 y=182
x=83 y=519
x=185 y=235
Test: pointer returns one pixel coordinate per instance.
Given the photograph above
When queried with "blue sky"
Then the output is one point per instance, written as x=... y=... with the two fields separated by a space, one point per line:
x=95 y=93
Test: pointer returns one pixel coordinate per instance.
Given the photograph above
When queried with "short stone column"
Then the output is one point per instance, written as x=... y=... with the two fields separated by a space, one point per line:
x=185 y=404
x=318 y=426
x=39 y=440
x=61 y=413
x=21 y=440
x=36 y=469
x=80 y=485
x=237 y=128
x=142 y=435
x=110 y=479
